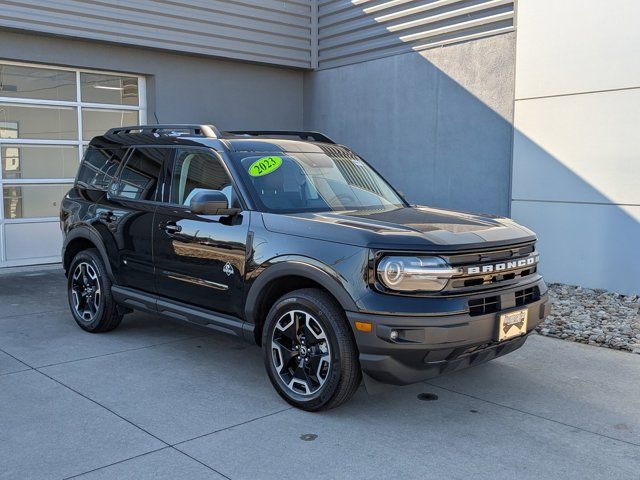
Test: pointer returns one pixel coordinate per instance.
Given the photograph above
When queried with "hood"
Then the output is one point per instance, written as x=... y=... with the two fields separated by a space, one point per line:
x=403 y=228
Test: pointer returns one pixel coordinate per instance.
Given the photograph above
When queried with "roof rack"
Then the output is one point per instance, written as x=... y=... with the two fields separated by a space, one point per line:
x=168 y=130
x=315 y=136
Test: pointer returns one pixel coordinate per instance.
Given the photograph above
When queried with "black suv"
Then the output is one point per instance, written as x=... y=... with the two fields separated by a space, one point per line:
x=292 y=242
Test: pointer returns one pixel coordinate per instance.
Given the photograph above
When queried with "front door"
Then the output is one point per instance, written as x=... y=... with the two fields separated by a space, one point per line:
x=200 y=259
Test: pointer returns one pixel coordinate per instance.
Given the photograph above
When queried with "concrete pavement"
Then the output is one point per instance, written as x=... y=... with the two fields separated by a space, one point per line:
x=155 y=399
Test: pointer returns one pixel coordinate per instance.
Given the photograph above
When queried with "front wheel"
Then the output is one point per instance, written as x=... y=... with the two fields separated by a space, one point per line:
x=309 y=351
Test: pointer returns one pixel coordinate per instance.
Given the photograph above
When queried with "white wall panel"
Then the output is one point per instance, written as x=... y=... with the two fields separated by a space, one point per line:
x=576 y=160
x=573 y=46
x=595 y=246
x=578 y=148
x=33 y=242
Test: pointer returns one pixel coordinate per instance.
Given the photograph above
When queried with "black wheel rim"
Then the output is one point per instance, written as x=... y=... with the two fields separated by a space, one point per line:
x=85 y=291
x=300 y=352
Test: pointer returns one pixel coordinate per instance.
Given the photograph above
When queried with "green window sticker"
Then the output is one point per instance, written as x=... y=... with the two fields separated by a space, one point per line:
x=265 y=166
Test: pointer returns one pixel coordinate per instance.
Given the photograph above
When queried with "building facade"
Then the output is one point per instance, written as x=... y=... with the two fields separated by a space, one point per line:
x=428 y=91
x=576 y=161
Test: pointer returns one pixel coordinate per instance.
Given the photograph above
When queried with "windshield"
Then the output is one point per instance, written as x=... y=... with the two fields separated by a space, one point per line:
x=303 y=182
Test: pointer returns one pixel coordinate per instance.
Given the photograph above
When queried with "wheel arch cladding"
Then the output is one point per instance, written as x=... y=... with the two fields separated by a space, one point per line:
x=280 y=279
x=82 y=239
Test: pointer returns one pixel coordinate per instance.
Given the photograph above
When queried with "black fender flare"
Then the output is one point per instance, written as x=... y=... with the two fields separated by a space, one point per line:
x=87 y=233
x=302 y=267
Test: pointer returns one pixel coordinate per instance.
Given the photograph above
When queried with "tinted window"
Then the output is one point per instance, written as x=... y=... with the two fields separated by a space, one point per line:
x=140 y=176
x=195 y=170
x=99 y=166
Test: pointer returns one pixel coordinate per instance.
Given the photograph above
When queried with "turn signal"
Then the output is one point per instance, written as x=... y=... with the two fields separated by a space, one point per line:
x=364 y=326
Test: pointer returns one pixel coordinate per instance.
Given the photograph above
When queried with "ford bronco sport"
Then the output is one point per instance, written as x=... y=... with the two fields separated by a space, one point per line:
x=292 y=242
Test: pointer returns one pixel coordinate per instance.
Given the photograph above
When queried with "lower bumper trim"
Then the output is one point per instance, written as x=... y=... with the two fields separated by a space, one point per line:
x=389 y=369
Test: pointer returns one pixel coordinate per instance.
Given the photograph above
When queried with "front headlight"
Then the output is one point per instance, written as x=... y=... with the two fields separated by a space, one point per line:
x=414 y=274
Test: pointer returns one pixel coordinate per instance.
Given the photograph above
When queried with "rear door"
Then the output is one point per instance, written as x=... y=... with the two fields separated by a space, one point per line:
x=132 y=201
x=89 y=201
x=200 y=259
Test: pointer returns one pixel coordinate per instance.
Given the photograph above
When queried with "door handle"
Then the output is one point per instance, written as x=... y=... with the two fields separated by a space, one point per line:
x=107 y=217
x=172 y=228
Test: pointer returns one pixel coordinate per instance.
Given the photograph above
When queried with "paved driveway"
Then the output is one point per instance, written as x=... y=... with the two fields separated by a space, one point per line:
x=158 y=400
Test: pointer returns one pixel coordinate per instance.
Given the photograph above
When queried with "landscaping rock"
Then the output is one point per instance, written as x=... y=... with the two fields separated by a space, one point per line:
x=593 y=317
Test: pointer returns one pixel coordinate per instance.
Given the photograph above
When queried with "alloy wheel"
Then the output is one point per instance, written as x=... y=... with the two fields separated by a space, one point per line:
x=85 y=291
x=300 y=352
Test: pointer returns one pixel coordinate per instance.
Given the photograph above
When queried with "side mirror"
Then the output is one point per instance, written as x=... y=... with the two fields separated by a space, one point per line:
x=211 y=202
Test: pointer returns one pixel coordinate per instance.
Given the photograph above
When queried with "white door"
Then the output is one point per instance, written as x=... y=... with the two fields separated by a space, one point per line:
x=47 y=116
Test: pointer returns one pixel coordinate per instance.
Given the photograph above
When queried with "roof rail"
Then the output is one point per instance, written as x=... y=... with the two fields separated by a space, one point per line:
x=315 y=136
x=169 y=130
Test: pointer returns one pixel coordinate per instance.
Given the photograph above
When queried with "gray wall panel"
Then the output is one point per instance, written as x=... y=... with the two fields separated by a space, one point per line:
x=437 y=123
x=180 y=88
x=268 y=31
x=592 y=245
x=296 y=33
x=361 y=30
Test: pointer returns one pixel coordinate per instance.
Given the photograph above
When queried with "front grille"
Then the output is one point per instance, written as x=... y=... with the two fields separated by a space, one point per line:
x=491 y=269
x=482 y=306
x=493 y=278
x=526 y=296
x=493 y=255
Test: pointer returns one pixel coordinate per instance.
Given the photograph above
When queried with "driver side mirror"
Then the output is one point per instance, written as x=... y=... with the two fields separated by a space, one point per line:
x=211 y=202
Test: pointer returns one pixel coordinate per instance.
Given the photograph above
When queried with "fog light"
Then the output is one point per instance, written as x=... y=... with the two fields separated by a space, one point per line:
x=393 y=335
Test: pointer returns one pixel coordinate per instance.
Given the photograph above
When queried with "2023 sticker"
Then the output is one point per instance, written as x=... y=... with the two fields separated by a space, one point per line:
x=265 y=166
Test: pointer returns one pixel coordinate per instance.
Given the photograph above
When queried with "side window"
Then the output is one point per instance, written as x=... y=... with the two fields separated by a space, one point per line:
x=139 y=178
x=99 y=166
x=195 y=170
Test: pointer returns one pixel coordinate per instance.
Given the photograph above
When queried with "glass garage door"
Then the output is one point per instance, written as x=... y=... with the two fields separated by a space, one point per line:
x=47 y=116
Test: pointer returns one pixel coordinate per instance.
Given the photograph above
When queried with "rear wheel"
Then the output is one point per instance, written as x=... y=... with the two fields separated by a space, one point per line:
x=89 y=292
x=309 y=351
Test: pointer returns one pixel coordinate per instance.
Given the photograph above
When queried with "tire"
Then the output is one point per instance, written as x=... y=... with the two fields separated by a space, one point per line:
x=308 y=324
x=96 y=312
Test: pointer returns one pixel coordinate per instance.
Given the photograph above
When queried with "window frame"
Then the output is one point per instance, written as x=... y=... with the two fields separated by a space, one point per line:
x=141 y=108
x=168 y=183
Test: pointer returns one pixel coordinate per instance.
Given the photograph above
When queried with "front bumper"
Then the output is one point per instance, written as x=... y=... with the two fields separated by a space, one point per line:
x=431 y=345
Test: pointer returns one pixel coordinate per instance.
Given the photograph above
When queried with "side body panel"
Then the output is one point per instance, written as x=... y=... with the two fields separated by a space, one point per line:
x=340 y=269
x=202 y=264
x=126 y=226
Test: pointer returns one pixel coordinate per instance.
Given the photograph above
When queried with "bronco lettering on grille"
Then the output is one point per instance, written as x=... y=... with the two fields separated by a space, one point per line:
x=503 y=266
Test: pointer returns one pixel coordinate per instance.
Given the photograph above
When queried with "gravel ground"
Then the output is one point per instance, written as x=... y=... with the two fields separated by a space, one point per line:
x=595 y=317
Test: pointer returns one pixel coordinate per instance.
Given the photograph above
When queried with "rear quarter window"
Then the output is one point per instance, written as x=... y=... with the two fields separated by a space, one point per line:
x=98 y=168
x=139 y=179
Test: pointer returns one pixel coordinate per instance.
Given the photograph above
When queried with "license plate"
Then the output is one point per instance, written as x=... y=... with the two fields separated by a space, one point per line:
x=512 y=324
